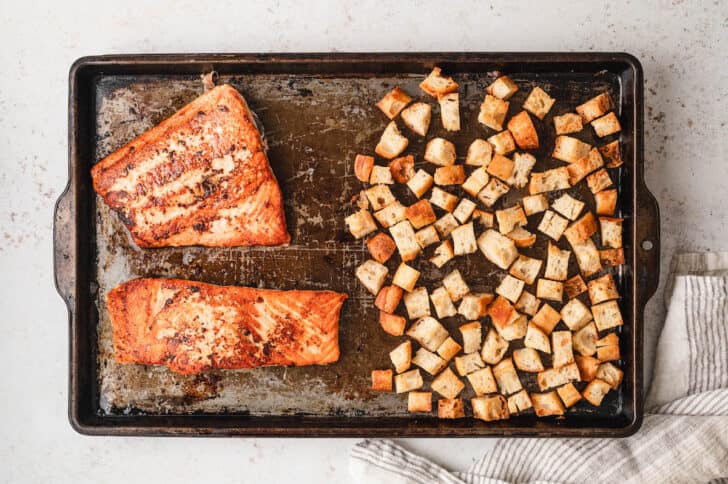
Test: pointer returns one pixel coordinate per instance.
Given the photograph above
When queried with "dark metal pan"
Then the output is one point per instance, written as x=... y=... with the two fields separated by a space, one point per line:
x=318 y=112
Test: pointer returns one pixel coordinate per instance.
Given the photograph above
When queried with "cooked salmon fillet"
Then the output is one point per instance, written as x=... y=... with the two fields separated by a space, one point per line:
x=201 y=177
x=192 y=326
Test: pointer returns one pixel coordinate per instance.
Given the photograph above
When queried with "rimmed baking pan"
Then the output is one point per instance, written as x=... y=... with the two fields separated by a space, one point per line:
x=317 y=111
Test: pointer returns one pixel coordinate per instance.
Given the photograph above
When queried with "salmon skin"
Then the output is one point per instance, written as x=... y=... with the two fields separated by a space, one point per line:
x=201 y=177
x=191 y=326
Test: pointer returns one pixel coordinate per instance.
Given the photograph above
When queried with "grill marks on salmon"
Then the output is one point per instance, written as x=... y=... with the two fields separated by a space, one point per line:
x=192 y=326
x=201 y=177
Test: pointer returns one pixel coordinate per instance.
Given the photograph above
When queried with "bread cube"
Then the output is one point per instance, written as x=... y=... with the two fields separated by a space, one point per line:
x=574 y=286
x=503 y=143
x=440 y=151
x=588 y=367
x=522 y=165
x=528 y=360
x=472 y=337
x=392 y=323
x=575 y=314
x=427 y=236
x=598 y=181
x=428 y=361
x=404 y=238
x=552 y=225
x=450 y=175
x=490 y=408
x=388 y=298
x=450 y=111
x=390 y=215
x=557 y=263
x=502 y=313
x=546 y=318
x=401 y=356
x=519 y=402
x=587 y=257
x=435 y=84
x=538 y=102
x=562 y=348
x=360 y=224
x=474 y=305
x=443 y=199
x=463 y=240
x=493 y=112
x=406 y=277
x=420 y=183
x=536 y=338
x=382 y=380
x=607 y=315
x=523 y=132
x=381 y=247
x=569 y=149
x=551 y=290
x=494 y=347
x=455 y=285
x=602 y=289
x=444 y=308
x=483 y=381
x=372 y=275
x=521 y=237
x=468 y=364
x=497 y=248
x=608 y=347
x=595 y=107
x=380 y=196
x=612 y=257
x=606 y=125
x=555 y=377
x=510 y=218
x=392 y=142
x=595 y=391
x=534 y=204
x=402 y=168
x=606 y=201
x=417 y=303
x=447 y=384
x=448 y=349
x=420 y=214
x=419 y=402
x=408 y=381
x=486 y=219
x=528 y=304
x=610 y=374
x=476 y=181
x=394 y=102
x=585 y=338
x=450 y=408
x=514 y=330
x=510 y=288
x=525 y=268
x=428 y=332
x=492 y=192
x=549 y=181
x=363 y=167
x=611 y=232
x=582 y=229
x=443 y=254
x=381 y=175
x=501 y=167
x=502 y=88
x=547 y=404
x=506 y=377
x=464 y=210
x=569 y=394
x=568 y=206
x=480 y=153
x=417 y=118
x=612 y=154
x=446 y=224
x=568 y=123
x=580 y=169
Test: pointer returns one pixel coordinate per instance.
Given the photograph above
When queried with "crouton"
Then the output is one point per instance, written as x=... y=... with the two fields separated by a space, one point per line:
x=595 y=391
x=606 y=125
x=510 y=218
x=557 y=263
x=575 y=314
x=526 y=269
x=522 y=237
x=497 y=248
x=494 y=347
x=417 y=118
x=450 y=408
x=611 y=232
x=420 y=183
x=510 y=288
x=408 y=381
x=610 y=374
x=506 y=377
x=587 y=257
x=502 y=312
x=443 y=253
x=588 y=367
x=435 y=84
x=428 y=332
x=440 y=151
x=428 y=361
x=607 y=315
x=549 y=181
x=562 y=348
x=536 y=338
x=612 y=257
x=464 y=210
x=570 y=149
x=612 y=154
x=486 y=219
x=519 y=402
x=406 y=277
x=448 y=349
x=501 y=167
x=417 y=302
x=390 y=215
x=569 y=394
x=379 y=196
x=404 y=237
x=480 y=153
x=420 y=214
x=474 y=305
x=606 y=201
x=568 y=206
x=585 y=338
x=582 y=229
x=528 y=303
x=523 y=132
x=392 y=323
x=580 y=169
x=602 y=289
x=427 y=236
x=574 y=286
x=394 y=102
x=522 y=165
x=515 y=329
x=552 y=225
x=401 y=356
x=444 y=308
x=388 y=298
x=503 y=143
x=381 y=247
x=608 y=353
x=547 y=404
x=598 y=181
x=447 y=384
x=472 y=336
x=492 y=192
x=493 y=112
x=608 y=340
x=455 y=285
x=360 y=224
x=419 y=402
x=450 y=175
x=534 y=204
x=528 y=360
x=444 y=200
x=402 y=168
x=446 y=224
x=468 y=363
x=482 y=381
x=568 y=123
x=392 y=142
x=546 y=318
x=555 y=377
x=363 y=167
x=551 y=290
x=538 y=102
x=450 y=111
x=595 y=107
x=382 y=380
x=463 y=239
x=372 y=275
x=476 y=181
x=381 y=175
x=502 y=88
x=490 y=408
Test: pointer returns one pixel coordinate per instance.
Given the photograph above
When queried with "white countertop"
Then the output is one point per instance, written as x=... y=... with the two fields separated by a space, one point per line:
x=682 y=45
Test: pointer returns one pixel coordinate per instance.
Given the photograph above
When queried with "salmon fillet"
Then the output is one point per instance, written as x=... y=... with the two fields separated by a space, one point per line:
x=192 y=326
x=201 y=177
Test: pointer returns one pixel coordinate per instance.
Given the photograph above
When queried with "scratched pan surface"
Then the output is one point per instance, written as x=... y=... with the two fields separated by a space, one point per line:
x=316 y=116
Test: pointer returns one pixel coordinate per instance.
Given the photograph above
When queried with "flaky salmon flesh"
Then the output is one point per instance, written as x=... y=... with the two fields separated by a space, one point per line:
x=201 y=177
x=191 y=326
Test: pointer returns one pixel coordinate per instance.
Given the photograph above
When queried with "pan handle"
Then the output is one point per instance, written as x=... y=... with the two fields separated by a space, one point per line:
x=647 y=242
x=64 y=238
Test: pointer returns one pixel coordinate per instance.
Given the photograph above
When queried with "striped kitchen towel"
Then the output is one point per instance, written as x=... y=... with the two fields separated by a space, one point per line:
x=684 y=436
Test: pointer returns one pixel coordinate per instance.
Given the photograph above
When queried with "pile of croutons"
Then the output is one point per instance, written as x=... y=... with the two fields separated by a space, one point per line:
x=583 y=348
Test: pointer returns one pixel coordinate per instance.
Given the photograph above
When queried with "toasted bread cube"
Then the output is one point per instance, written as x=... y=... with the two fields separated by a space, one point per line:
x=546 y=318
x=463 y=239
x=506 y=377
x=406 y=277
x=382 y=380
x=569 y=394
x=444 y=200
x=515 y=329
x=444 y=308
x=490 y=408
x=536 y=339
x=570 y=149
x=502 y=312
x=527 y=359
x=552 y=225
x=450 y=175
x=528 y=303
x=472 y=336
x=549 y=181
x=404 y=237
x=428 y=332
x=497 y=248
x=392 y=142
x=580 y=169
x=606 y=201
x=492 y=192
x=446 y=224
x=402 y=168
x=394 y=102
x=392 y=323
x=474 y=305
x=547 y=404
x=440 y=151
x=538 y=102
x=519 y=402
x=557 y=264
x=447 y=384
x=417 y=118
x=598 y=181
x=486 y=219
x=428 y=361
x=534 y=204
x=483 y=381
x=360 y=224
x=455 y=285
x=522 y=165
x=381 y=247
x=501 y=167
x=608 y=353
x=419 y=402
x=417 y=303
x=468 y=363
x=443 y=254
x=555 y=377
x=568 y=123
x=611 y=232
x=525 y=269
x=464 y=210
x=587 y=256
x=602 y=289
x=427 y=236
x=574 y=286
x=363 y=167
x=494 y=347
x=521 y=237
x=612 y=154
x=448 y=349
x=450 y=408
x=568 y=206
x=595 y=391
x=610 y=374
x=390 y=215
x=612 y=257
x=401 y=356
x=607 y=315
x=523 y=131
x=420 y=183
x=608 y=340
x=476 y=181
x=450 y=111
x=408 y=381
x=380 y=196
x=372 y=275
x=493 y=112
x=435 y=84
x=480 y=153
x=551 y=290
x=562 y=348
x=582 y=229
x=606 y=125
x=510 y=288
x=575 y=314
x=420 y=214
x=388 y=299
x=381 y=175
x=510 y=218
x=595 y=107
x=585 y=339
x=588 y=367
x=502 y=88
x=503 y=143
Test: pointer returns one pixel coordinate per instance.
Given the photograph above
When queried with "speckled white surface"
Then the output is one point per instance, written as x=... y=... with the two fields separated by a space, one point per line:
x=683 y=47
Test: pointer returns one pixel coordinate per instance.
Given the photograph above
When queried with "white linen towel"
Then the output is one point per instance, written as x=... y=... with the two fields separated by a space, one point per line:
x=684 y=436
